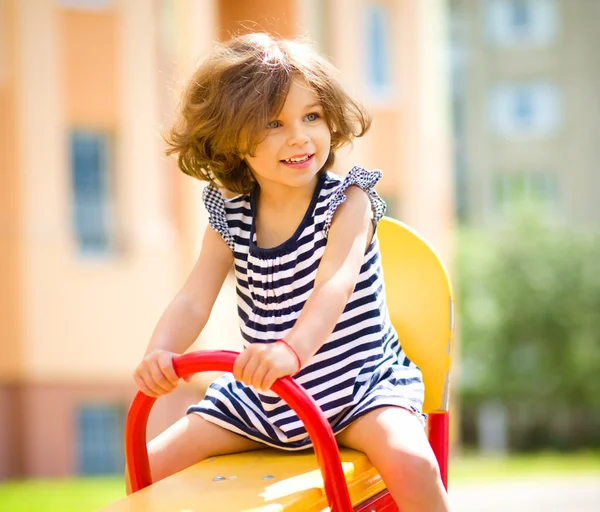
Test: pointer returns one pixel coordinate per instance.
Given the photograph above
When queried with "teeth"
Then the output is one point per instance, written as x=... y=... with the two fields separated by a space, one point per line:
x=296 y=160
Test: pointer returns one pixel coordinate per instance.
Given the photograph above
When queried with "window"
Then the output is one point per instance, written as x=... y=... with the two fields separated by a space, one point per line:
x=100 y=439
x=512 y=190
x=520 y=15
x=378 y=49
x=90 y=180
x=513 y=23
x=525 y=110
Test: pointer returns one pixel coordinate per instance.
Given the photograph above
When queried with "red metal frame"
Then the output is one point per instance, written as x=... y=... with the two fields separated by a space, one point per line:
x=325 y=445
x=438 y=425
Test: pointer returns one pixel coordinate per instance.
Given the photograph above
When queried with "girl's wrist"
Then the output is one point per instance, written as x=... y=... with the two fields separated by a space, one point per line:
x=293 y=351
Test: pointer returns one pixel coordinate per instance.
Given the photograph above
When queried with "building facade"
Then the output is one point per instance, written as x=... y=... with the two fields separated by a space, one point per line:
x=99 y=229
x=527 y=108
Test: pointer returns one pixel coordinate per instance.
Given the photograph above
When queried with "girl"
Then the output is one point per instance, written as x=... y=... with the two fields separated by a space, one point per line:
x=261 y=121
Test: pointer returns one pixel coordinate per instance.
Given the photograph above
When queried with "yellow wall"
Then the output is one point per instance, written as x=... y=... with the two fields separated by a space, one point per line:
x=10 y=313
x=255 y=16
x=88 y=58
x=89 y=318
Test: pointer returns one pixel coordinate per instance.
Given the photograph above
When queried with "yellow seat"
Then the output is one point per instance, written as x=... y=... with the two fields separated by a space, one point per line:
x=419 y=300
x=259 y=481
x=420 y=303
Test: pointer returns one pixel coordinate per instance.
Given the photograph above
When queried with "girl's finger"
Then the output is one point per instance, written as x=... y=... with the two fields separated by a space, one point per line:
x=159 y=384
x=268 y=380
x=168 y=370
x=143 y=387
x=151 y=384
x=258 y=375
x=250 y=369
x=239 y=364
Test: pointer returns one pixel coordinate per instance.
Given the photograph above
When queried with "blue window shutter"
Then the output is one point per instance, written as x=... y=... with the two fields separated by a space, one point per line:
x=90 y=182
x=100 y=439
x=378 y=47
x=524 y=109
x=521 y=17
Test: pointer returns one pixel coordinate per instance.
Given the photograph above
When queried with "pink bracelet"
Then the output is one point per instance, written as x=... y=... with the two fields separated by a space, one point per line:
x=293 y=351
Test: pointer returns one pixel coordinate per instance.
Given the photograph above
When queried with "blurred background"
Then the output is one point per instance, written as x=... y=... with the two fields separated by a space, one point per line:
x=487 y=127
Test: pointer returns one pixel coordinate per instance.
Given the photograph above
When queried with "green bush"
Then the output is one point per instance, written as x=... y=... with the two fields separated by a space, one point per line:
x=528 y=301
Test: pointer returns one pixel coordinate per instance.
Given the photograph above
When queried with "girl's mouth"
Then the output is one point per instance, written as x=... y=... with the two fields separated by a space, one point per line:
x=299 y=163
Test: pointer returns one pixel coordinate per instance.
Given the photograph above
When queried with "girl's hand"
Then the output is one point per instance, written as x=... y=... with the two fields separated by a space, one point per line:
x=261 y=364
x=155 y=375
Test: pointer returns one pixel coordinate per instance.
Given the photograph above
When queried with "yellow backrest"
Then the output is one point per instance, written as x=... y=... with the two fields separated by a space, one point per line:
x=419 y=300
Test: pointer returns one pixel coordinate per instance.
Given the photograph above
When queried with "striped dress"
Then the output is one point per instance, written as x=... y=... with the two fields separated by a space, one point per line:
x=360 y=367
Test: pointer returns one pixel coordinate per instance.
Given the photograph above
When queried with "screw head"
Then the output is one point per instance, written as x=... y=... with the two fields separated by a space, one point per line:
x=268 y=477
x=218 y=478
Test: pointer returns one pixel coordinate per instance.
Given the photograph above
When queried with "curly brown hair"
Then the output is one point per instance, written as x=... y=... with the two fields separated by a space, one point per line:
x=237 y=90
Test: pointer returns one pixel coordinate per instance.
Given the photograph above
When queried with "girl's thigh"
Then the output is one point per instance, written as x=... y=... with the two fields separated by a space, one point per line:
x=191 y=440
x=387 y=429
x=394 y=440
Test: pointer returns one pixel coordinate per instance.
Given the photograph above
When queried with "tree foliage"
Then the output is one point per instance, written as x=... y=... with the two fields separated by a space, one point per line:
x=529 y=318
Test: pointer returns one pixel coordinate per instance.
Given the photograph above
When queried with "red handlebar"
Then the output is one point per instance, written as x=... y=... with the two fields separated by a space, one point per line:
x=326 y=450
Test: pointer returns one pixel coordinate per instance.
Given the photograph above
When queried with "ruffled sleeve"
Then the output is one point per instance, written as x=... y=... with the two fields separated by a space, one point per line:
x=215 y=205
x=364 y=179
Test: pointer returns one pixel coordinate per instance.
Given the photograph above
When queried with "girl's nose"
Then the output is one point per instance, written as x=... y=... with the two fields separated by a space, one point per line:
x=297 y=135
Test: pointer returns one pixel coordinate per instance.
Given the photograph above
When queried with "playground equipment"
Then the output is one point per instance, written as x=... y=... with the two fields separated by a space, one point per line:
x=419 y=299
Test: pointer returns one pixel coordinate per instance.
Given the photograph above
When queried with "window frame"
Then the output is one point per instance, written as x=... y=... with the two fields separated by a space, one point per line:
x=380 y=89
x=545 y=102
x=105 y=139
x=534 y=186
x=544 y=25
x=103 y=424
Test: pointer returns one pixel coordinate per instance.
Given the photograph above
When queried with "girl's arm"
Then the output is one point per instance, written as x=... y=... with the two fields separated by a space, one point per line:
x=350 y=234
x=185 y=317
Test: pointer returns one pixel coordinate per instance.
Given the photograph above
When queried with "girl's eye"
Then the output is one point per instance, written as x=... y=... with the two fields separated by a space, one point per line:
x=273 y=124
x=312 y=117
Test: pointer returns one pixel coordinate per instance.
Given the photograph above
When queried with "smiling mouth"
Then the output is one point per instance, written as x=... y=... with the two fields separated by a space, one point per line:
x=297 y=160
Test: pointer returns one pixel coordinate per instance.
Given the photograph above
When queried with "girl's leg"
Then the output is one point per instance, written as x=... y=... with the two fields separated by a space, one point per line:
x=191 y=440
x=395 y=442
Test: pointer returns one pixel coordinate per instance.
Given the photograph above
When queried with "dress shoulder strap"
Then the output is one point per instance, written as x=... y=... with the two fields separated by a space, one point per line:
x=364 y=179
x=214 y=203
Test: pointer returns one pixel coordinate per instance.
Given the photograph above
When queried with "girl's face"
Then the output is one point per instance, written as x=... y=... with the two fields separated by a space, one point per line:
x=297 y=142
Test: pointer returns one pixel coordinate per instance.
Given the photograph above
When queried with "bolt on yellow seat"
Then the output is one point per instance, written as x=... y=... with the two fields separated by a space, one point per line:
x=259 y=481
x=419 y=300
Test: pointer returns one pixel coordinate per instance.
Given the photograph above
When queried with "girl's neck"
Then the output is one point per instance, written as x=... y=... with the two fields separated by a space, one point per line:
x=280 y=211
x=285 y=198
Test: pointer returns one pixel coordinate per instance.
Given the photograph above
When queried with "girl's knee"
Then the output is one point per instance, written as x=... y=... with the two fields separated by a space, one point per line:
x=414 y=466
x=414 y=481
